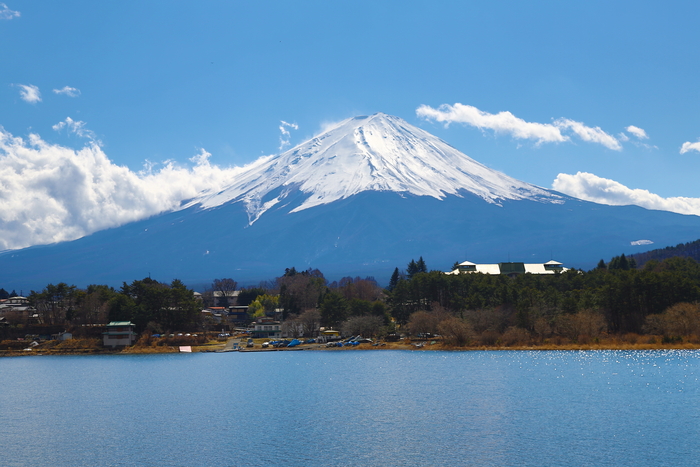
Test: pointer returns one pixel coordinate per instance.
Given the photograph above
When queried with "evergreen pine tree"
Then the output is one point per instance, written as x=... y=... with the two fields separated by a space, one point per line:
x=624 y=264
x=394 y=279
x=421 y=265
x=619 y=262
x=601 y=265
x=614 y=263
x=412 y=269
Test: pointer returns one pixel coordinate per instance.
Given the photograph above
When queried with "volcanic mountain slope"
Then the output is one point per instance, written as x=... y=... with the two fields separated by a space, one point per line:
x=376 y=153
x=360 y=199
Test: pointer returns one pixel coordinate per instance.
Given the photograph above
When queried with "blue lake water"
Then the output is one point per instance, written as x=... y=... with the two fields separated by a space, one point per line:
x=332 y=408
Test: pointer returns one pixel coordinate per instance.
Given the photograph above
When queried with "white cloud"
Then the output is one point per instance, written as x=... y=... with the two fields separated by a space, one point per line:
x=506 y=122
x=29 y=93
x=502 y=122
x=76 y=127
x=50 y=193
x=6 y=13
x=286 y=135
x=638 y=132
x=590 y=187
x=589 y=134
x=688 y=146
x=68 y=91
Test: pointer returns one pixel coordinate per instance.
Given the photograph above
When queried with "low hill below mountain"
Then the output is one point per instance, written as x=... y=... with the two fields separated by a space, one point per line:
x=686 y=250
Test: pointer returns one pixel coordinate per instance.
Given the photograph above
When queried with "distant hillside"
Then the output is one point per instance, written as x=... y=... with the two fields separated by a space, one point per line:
x=690 y=250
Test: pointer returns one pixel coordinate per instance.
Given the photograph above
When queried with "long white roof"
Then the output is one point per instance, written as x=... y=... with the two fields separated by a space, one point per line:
x=495 y=269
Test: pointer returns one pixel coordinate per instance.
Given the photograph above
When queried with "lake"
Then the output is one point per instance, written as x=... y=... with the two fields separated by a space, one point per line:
x=369 y=408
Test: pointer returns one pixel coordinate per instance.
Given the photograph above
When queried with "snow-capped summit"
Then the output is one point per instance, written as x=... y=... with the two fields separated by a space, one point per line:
x=368 y=153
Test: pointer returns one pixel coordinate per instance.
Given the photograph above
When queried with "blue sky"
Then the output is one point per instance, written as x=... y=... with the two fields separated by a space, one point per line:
x=599 y=96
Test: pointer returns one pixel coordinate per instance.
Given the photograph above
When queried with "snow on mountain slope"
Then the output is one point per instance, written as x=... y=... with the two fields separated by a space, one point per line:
x=370 y=153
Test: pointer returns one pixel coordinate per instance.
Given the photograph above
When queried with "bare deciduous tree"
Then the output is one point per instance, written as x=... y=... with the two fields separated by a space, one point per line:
x=456 y=331
x=291 y=327
x=225 y=289
x=515 y=336
x=365 y=326
x=542 y=327
x=424 y=322
x=584 y=323
x=310 y=321
x=681 y=319
x=487 y=319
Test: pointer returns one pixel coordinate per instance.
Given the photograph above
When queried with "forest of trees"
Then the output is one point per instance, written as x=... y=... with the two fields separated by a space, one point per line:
x=616 y=298
x=147 y=303
x=686 y=250
x=306 y=299
x=613 y=298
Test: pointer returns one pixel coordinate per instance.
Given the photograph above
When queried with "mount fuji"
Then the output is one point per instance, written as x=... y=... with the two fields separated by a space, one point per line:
x=378 y=153
x=362 y=198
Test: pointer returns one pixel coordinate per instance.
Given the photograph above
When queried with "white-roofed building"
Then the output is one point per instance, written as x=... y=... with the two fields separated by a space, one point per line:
x=119 y=334
x=17 y=303
x=510 y=269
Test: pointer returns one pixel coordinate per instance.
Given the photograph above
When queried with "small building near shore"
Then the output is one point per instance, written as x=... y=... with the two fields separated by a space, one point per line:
x=328 y=335
x=64 y=336
x=267 y=328
x=17 y=304
x=119 y=334
x=238 y=315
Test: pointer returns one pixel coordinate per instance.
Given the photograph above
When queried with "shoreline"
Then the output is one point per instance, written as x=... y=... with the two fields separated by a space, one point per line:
x=138 y=350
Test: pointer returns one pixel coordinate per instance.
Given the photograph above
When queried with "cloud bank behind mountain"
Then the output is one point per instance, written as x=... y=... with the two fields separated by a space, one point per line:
x=50 y=193
x=590 y=187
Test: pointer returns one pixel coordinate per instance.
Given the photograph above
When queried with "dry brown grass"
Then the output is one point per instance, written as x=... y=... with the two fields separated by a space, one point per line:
x=149 y=349
x=13 y=345
x=81 y=344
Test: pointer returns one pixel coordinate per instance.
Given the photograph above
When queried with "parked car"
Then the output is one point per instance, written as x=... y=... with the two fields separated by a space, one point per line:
x=250 y=343
x=265 y=345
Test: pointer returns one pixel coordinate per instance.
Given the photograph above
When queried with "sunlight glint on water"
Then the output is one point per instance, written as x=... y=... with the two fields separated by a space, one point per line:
x=353 y=408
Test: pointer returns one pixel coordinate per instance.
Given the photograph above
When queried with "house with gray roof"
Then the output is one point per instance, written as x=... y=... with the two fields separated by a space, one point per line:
x=119 y=334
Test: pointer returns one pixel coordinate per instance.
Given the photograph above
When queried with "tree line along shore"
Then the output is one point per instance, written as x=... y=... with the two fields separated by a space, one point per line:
x=615 y=305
